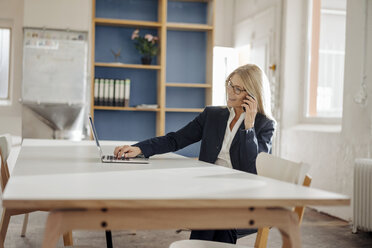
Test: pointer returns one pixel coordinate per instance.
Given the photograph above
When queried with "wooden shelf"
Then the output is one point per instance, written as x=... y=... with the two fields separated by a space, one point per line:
x=126 y=23
x=188 y=26
x=188 y=85
x=199 y=1
x=125 y=108
x=184 y=110
x=132 y=66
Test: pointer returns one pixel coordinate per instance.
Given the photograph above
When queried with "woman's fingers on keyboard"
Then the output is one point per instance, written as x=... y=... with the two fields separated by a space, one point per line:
x=116 y=151
x=121 y=151
x=131 y=153
x=127 y=151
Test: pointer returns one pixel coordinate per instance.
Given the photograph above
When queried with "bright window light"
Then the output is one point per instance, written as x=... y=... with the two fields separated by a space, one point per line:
x=225 y=60
x=326 y=75
x=4 y=62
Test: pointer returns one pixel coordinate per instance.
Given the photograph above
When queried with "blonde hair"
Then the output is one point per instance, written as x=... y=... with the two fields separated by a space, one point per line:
x=256 y=84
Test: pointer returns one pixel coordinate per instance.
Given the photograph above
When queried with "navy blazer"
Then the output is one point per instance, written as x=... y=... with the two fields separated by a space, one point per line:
x=209 y=127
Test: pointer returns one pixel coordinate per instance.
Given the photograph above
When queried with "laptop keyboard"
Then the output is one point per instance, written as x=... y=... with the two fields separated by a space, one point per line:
x=111 y=157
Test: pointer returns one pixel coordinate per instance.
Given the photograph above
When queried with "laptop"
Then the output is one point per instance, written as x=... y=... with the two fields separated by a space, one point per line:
x=140 y=159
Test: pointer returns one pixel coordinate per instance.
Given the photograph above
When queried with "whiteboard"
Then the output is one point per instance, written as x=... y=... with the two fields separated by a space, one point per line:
x=54 y=66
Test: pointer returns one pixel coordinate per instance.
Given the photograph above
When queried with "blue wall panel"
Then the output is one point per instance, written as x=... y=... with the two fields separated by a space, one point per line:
x=143 y=86
x=186 y=56
x=179 y=97
x=124 y=125
x=116 y=38
x=146 y=10
x=175 y=121
x=189 y=12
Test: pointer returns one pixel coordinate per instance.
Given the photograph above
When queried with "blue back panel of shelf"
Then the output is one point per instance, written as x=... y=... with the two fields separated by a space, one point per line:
x=125 y=125
x=186 y=56
x=179 y=97
x=188 y=12
x=110 y=39
x=176 y=120
x=143 y=86
x=145 y=10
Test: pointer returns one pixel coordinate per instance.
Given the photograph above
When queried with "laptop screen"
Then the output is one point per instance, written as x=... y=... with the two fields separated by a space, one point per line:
x=94 y=133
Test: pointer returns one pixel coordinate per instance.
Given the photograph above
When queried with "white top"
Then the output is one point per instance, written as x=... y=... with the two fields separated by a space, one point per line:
x=64 y=174
x=224 y=155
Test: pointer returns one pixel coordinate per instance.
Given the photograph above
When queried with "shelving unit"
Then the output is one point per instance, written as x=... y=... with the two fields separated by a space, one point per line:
x=188 y=85
x=125 y=108
x=189 y=27
x=181 y=71
x=191 y=110
x=133 y=66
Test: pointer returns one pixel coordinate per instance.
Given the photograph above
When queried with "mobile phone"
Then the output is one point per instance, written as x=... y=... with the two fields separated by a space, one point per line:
x=250 y=96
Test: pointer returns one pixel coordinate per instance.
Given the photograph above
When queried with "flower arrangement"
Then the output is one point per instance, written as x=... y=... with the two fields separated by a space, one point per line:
x=146 y=45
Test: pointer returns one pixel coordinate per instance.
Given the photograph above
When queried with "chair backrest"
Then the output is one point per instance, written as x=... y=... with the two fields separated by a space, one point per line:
x=281 y=169
x=5 y=146
x=284 y=170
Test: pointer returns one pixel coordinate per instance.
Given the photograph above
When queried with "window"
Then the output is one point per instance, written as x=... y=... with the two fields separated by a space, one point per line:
x=327 y=55
x=4 y=62
x=225 y=60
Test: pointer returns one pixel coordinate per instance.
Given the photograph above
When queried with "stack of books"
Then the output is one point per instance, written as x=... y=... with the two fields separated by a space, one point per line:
x=111 y=92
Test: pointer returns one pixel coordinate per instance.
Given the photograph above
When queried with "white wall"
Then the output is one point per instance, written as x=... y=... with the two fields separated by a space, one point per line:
x=11 y=13
x=247 y=8
x=292 y=61
x=224 y=17
x=66 y=14
x=330 y=150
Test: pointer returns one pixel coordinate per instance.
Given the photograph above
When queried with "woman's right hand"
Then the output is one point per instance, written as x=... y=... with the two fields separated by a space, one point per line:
x=127 y=151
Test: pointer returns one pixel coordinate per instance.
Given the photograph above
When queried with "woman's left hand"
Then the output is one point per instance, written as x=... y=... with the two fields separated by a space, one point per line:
x=250 y=106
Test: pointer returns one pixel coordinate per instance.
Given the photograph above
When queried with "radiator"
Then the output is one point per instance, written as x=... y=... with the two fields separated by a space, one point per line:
x=362 y=199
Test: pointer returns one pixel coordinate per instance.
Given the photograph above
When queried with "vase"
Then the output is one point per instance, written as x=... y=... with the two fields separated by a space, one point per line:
x=146 y=60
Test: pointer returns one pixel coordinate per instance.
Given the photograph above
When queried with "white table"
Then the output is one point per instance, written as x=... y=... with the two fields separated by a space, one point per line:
x=171 y=192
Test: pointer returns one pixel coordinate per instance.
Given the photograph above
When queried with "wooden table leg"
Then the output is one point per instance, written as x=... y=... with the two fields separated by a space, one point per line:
x=291 y=234
x=53 y=229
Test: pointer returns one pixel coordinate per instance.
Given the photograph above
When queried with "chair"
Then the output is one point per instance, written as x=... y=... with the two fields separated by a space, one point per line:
x=5 y=147
x=267 y=166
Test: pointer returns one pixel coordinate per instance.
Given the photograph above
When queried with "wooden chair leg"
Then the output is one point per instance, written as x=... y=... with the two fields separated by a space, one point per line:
x=24 y=227
x=67 y=239
x=262 y=236
x=5 y=218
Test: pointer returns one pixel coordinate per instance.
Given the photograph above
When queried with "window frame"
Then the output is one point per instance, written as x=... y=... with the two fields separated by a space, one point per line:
x=5 y=24
x=307 y=73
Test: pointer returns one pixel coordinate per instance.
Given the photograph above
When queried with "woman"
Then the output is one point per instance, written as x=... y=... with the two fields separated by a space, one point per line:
x=230 y=137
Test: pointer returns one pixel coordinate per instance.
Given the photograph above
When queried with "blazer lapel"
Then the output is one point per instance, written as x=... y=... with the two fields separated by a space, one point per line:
x=222 y=123
x=236 y=137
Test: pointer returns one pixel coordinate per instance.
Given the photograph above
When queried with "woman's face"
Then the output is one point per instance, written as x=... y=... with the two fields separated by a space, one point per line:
x=235 y=100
